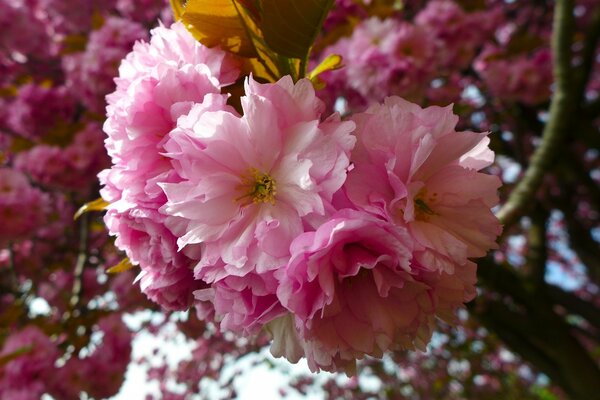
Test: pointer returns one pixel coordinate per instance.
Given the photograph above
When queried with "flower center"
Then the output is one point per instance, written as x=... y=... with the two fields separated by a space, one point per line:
x=259 y=187
x=422 y=201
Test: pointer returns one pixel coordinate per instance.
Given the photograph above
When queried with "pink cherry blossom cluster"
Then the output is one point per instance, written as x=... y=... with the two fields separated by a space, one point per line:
x=90 y=74
x=33 y=367
x=23 y=208
x=523 y=78
x=403 y=56
x=342 y=238
x=57 y=62
x=69 y=168
x=26 y=376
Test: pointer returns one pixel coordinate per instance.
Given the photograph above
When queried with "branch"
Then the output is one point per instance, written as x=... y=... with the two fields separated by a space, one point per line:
x=537 y=254
x=586 y=248
x=572 y=177
x=517 y=332
x=575 y=305
x=537 y=333
x=592 y=110
x=581 y=240
x=562 y=109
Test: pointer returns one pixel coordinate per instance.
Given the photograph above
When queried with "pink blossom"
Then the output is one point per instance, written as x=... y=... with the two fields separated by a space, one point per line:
x=448 y=89
x=457 y=35
x=145 y=11
x=352 y=291
x=24 y=32
x=166 y=275
x=102 y=371
x=29 y=375
x=248 y=181
x=449 y=291
x=70 y=168
x=526 y=78
x=66 y=18
x=23 y=208
x=37 y=110
x=343 y=12
x=59 y=218
x=413 y=168
x=175 y=47
x=243 y=303
x=90 y=74
x=350 y=287
x=381 y=58
x=159 y=82
x=44 y=163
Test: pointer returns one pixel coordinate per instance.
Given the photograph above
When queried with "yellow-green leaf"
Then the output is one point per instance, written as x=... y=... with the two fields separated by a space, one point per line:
x=217 y=23
x=6 y=358
x=96 y=205
x=97 y=20
x=122 y=266
x=290 y=27
x=9 y=91
x=178 y=7
x=19 y=144
x=331 y=62
x=74 y=43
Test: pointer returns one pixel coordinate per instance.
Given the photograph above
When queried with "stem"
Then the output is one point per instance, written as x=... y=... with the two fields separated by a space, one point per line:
x=562 y=109
x=302 y=68
x=11 y=257
x=80 y=264
x=8 y=277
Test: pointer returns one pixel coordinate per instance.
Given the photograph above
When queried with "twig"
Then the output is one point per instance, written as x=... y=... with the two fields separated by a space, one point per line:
x=11 y=257
x=8 y=277
x=537 y=254
x=575 y=305
x=562 y=110
x=82 y=257
x=589 y=53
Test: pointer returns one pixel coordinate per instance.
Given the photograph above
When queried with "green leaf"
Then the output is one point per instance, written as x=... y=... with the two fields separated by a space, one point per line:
x=290 y=27
x=96 y=205
x=217 y=23
x=123 y=265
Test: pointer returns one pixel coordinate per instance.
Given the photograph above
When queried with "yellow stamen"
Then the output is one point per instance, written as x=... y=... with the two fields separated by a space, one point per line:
x=258 y=186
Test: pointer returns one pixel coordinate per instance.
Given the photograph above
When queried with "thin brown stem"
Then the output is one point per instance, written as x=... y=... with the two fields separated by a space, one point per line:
x=82 y=257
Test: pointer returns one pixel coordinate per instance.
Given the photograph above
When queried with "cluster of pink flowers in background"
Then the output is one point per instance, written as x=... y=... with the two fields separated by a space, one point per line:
x=35 y=372
x=343 y=238
x=58 y=59
x=420 y=59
